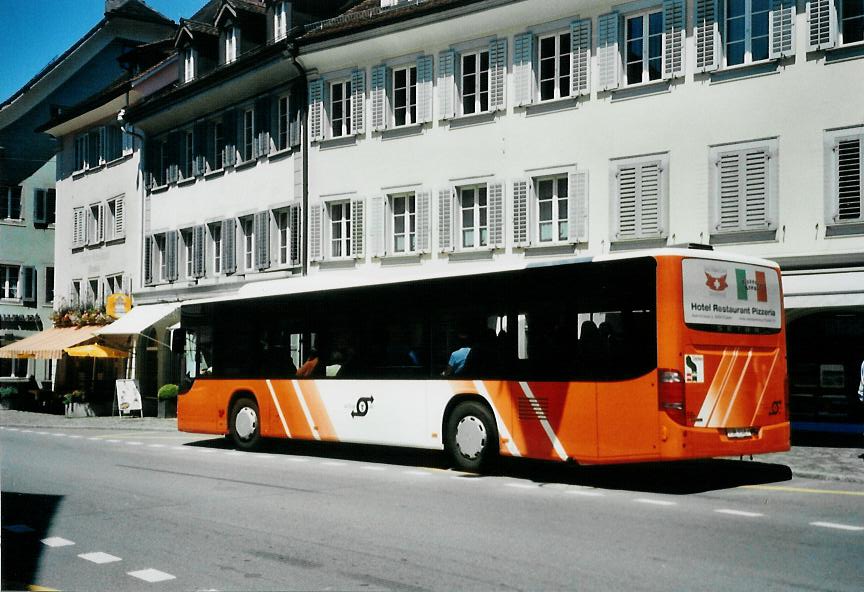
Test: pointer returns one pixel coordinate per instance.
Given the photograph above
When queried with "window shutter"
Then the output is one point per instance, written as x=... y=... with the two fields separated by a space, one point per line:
x=640 y=201
x=495 y=192
x=674 y=13
x=424 y=221
x=447 y=84
x=148 y=260
x=424 y=89
x=577 y=207
x=262 y=123
x=39 y=206
x=705 y=32
x=627 y=226
x=51 y=206
x=199 y=163
x=316 y=110
x=103 y=145
x=497 y=74
x=822 y=16
x=849 y=171
x=756 y=188
x=119 y=217
x=358 y=228
x=379 y=98
x=521 y=236
x=608 y=56
x=294 y=227
x=28 y=284
x=262 y=239
x=199 y=234
x=358 y=101
x=580 y=57
x=174 y=151
x=377 y=211
x=650 y=190
x=127 y=140
x=229 y=132
x=76 y=228
x=101 y=223
x=445 y=220
x=782 y=29
x=743 y=189
x=229 y=249
x=315 y=211
x=523 y=68
x=171 y=239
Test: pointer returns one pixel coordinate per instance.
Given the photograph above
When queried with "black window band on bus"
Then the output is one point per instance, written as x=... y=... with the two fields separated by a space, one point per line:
x=572 y=322
x=737 y=329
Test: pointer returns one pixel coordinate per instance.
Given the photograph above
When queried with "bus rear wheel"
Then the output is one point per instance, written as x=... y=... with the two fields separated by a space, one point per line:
x=244 y=424
x=471 y=438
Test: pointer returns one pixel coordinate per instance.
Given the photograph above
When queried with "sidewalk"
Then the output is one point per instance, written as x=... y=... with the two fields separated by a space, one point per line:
x=808 y=462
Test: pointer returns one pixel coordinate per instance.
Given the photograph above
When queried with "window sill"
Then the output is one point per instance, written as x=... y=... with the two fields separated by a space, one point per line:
x=743 y=236
x=552 y=106
x=543 y=250
x=414 y=129
x=338 y=142
x=246 y=164
x=740 y=71
x=628 y=244
x=482 y=254
x=78 y=174
x=843 y=53
x=216 y=173
x=483 y=118
x=118 y=160
x=643 y=89
x=159 y=189
x=186 y=181
x=280 y=154
x=846 y=229
x=12 y=222
x=12 y=301
x=115 y=241
x=345 y=263
x=401 y=258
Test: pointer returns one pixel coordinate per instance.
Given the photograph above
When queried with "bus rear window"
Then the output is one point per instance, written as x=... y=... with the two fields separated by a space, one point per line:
x=729 y=297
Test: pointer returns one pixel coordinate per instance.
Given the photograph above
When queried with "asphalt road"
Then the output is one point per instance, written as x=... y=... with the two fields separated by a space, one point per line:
x=90 y=510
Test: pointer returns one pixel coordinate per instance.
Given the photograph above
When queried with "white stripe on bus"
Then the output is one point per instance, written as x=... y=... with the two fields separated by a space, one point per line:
x=502 y=429
x=305 y=408
x=278 y=408
x=737 y=387
x=556 y=444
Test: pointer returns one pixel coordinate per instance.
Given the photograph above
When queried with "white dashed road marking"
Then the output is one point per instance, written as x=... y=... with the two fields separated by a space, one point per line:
x=99 y=557
x=155 y=446
x=130 y=443
x=837 y=526
x=113 y=441
x=739 y=513
x=374 y=469
x=151 y=575
x=645 y=500
x=521 y=486
x=585 y=493
x=57 y=542
x=333 y=463
x=418 y=473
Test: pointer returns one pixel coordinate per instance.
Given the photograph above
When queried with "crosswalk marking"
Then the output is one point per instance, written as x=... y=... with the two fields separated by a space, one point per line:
x=57 y=542
x=99 y=557
x=151 y=575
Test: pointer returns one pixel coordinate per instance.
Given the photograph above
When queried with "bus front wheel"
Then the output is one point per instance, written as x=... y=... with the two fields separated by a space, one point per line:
x=245 y=425
x=472 y=440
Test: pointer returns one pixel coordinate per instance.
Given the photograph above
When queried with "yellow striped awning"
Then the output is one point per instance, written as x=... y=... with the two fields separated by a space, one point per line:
x=50 y=343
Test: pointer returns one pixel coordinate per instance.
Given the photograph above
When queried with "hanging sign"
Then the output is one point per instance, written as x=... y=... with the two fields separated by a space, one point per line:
x=128 y=396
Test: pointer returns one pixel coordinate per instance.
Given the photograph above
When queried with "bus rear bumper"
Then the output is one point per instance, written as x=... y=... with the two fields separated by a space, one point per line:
x=678 y=442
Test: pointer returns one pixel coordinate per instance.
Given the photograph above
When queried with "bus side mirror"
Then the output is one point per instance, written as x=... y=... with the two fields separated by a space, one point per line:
x=178 y=341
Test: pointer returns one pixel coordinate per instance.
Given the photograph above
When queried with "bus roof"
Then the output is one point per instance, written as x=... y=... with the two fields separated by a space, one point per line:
x=337 y=280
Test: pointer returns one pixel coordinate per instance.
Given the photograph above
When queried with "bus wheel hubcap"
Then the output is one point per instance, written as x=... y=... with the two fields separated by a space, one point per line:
x=246 y=422
x=470 y=437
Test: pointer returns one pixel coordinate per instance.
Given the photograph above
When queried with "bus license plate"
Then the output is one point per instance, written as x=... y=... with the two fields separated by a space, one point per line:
x=739 y=433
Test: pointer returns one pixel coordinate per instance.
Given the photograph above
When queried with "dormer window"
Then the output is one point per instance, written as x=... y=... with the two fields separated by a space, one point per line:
x=189 y=59
x=280 y=21
x=232 y=39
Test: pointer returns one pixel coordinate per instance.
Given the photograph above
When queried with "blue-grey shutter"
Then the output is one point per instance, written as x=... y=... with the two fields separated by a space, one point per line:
x=229 y=132
x=445 y=220
x=51 y=206
x=119 y=229
x=378 y=98
x=782 y=29
x=315 y=222
x=424 y=89
x=358 y=101
x=521 y=235
x=171 y=238
x=358 y=228
x=674 y=23
x=580 y=57
x=822 y=17
x=229 y=248
x=198 y=251
x=148 y=260
x=296 y=229
x=39 y=206
x=174 y=152
x=497 y=74
x=424 y=221
x=706 y=34
x=577 y=207
x=263 y=107
x=523 y=68
x=316 y=110
x=377 y=212
x=608 y=54
x=495 y=192
x=640 y=207
x=28 y=284
x=261 y=228
x=446 y=84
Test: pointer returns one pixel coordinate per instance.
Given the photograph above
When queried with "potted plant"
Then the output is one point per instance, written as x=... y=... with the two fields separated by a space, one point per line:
x=76 y=405
x=6 y=395
x=167 y=396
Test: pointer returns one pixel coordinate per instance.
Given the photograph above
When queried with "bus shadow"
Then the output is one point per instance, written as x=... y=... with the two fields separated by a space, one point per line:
x=26 y=520
x=677 y=478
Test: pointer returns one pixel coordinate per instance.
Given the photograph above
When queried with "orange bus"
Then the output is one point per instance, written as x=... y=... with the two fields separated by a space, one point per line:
x=656 y=355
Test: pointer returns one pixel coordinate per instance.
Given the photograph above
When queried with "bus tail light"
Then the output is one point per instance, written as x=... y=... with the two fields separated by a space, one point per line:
x=671 y=395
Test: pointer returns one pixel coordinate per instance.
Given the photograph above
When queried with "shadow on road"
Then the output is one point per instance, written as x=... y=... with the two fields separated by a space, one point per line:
x=827 y=439
x=682 y=477
x=26 y=520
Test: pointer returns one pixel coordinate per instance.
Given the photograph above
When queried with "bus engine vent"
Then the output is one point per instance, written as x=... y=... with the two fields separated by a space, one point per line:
x=533 y=408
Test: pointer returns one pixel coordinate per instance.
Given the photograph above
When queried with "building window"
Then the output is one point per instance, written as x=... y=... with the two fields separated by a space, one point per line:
x=114 y=284
x=248 y=134
x=232 y=37
x=14 y=368
x=95 y=225
x=340 y=108
x=280 y=21
x=552 y=201
x=76 y=295
x=162 y=255
x=81 y=152
x=95 y=151
x=404 y=222
x=475 y=82
x=640 y=198
x=10 y=203
x=644 y=47
x=10 y=277
x=188 y=64
x=115 y=223
x=743 y=187
x=851 y=21
x=94 y=292
x=188 y=256
x=217 y=145
x=284 y=236
x=247 y=226
x=746 y=31
x=282 y=139
x=554 y=60
x=188 y=154
x=340 y=229
x=847 y=171
x=79 y=227
x=49 y=285
x=474 y=217
x=44 y=206
x=216 y=242
x=404 y=96
x=114 y=142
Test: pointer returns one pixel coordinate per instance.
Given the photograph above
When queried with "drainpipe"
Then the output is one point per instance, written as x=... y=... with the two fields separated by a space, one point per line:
x=292 y=52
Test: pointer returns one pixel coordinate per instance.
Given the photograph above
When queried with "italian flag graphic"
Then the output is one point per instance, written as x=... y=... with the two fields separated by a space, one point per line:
x=751 y=282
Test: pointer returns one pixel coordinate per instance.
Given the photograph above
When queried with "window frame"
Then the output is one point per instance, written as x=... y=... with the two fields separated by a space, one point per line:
x=477 y=211
x=478 y=77
x=190 y=59
x=249 y=134
x=411 y=95
x=748 y=35
x=347 y=104
x=160 y=243
x=280 y=20
x=8 y=271
x=216 y=240
x=187 y=253
x=408 y=218
x=556 y=221
x=232 y=37
x=49 y=285
x=283 y=236
x=345 y=238
x=840 y=6
x=11 y=194
x=645 y=37
x=188 y=160
x=558 y=76
x=247 y=233
x=283 y=127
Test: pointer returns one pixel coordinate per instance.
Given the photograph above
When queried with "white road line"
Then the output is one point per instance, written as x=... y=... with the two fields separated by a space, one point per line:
x=75 y=436
x=739 y=513
x=417 y=473
x=59 y=435
x=113 y=441
x=94 y=439
x=26 y=431
x=131 y=443
x=465 y=479
x=586 y=493
x=521 y=486
x=57 y=542
x=180 y=448
x=42 y=433
x=12 y=429
x=99 y=557
x=645 y=500
x=373 y=468
x=333 y=463
x=151 y=575
x=155 y=446
x=838 y=526
x=18 y=528
x=296 y=459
